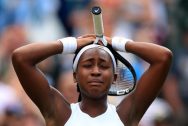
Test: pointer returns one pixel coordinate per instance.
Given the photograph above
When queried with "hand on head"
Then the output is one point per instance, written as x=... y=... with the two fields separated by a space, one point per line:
x=85 y=40
x=90 y=38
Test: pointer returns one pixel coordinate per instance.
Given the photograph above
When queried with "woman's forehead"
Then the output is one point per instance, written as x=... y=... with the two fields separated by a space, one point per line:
x=95 y=52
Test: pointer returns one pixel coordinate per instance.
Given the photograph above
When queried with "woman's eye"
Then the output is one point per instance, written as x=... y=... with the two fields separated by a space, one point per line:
x=87 y=65
x=104 y=66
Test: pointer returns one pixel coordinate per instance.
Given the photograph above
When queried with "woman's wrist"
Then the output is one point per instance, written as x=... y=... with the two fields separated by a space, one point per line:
x=69 y=45
x=119 y=43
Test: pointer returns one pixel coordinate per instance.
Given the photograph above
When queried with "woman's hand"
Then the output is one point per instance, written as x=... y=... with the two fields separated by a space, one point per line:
x=109 y=40
x=90 y=38
x=85 y=40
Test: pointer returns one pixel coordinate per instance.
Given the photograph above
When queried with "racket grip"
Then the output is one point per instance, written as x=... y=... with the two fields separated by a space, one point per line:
x=97 y=21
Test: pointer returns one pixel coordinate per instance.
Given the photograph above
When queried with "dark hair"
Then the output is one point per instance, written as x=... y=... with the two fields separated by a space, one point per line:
x=76 y=53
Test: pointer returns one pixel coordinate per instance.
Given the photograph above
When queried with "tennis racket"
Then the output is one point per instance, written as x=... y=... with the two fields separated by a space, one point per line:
x=126 y=75
x=98 y=25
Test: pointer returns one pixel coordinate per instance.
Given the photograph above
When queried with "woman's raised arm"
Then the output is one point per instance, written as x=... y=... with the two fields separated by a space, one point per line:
x=31 y=78
x=135 y=105
x=25 y=59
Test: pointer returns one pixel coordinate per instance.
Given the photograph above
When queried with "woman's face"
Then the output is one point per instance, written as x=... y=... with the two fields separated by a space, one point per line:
x=94 y=73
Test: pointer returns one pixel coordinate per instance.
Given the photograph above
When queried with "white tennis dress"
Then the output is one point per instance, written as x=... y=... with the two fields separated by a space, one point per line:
x=79 y=118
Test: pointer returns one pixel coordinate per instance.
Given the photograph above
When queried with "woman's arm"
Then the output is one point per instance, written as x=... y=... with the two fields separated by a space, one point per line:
x=31 y=78
x=25 y=60
x=135 y=105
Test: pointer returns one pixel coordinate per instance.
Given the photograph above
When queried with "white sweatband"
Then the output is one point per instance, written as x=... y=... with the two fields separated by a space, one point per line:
x=69 y=45
x=118 y=43
x=75 y=62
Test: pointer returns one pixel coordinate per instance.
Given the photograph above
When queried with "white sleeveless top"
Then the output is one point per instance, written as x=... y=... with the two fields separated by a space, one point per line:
x=79 y=118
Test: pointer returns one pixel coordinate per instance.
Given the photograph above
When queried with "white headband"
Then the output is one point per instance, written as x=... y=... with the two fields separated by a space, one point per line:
x=75 y=63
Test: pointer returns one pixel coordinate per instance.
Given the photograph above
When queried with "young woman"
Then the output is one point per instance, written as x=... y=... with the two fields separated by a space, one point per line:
x=94 y=71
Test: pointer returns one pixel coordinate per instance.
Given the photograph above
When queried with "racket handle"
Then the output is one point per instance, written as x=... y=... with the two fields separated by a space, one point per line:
x=97 y=21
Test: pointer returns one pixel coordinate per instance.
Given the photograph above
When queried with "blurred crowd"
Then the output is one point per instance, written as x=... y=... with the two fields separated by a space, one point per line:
x=163 y=22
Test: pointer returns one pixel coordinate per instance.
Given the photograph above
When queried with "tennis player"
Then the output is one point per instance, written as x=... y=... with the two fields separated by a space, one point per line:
x=94 y=71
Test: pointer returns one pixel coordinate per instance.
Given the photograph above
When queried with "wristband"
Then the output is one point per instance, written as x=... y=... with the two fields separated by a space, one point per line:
x=69 y=45
x=118 y=43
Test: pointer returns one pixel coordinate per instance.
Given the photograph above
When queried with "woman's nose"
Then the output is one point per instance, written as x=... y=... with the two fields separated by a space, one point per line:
x=96 y=70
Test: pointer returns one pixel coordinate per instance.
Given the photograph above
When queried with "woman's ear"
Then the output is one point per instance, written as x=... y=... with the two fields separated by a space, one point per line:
x=74 y=77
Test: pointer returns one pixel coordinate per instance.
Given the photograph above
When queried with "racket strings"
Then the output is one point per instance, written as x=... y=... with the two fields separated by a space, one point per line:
x=126 y=76
x=125 y=79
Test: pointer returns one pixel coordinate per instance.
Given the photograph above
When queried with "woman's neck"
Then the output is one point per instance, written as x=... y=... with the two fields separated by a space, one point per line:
x=93 y=107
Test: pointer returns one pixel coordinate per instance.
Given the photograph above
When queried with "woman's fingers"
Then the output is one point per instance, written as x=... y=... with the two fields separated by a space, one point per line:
x=108 y=39
x=85 y=41
x=90 y=38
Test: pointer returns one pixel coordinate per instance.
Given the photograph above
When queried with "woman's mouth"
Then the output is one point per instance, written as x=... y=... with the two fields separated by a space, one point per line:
x=95 y=82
